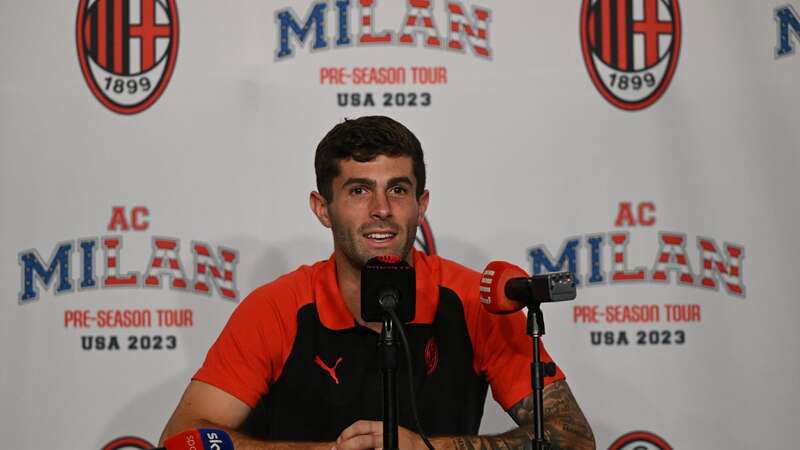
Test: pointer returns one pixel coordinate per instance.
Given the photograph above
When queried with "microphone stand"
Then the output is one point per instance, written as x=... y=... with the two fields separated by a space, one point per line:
x=388 y=343
x=538 y=372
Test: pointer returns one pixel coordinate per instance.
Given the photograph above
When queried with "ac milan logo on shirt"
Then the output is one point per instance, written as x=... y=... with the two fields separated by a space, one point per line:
x=640 y=440
x=127 y=50
x=631 y=48
x=431 y=356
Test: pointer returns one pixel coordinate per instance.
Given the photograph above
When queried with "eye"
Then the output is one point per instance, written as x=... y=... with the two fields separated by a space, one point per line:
x=398 y=190
x=358 y=190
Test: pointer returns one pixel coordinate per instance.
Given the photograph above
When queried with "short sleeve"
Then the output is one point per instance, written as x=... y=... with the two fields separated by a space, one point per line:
x=248 y=354
x=504 y=352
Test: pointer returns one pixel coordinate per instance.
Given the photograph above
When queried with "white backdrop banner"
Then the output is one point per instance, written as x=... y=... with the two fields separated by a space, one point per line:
x=156 y=158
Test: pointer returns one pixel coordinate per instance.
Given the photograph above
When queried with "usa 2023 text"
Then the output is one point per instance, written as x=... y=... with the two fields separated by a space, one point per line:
x=143 y=342
x=385 y=99
x=640 y=338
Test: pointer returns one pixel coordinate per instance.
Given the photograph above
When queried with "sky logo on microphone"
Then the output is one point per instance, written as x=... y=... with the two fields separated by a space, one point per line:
x=216 y=440
x=200 y=439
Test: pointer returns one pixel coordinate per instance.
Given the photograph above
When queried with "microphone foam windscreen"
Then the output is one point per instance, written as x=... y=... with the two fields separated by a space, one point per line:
x=493 y=282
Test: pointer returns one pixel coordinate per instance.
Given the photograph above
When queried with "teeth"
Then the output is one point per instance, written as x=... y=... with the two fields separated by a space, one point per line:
x=379 y=235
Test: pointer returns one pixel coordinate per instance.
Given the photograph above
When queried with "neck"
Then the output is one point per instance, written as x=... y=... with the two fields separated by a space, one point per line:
x=348 y=277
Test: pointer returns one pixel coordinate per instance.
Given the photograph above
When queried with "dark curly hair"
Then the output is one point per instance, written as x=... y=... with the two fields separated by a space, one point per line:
x=363 y=139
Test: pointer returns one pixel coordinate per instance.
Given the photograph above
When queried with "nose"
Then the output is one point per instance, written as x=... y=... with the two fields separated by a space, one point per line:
x=380 y=207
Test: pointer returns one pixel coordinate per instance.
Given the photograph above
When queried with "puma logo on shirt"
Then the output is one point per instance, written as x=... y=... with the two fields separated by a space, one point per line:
x=331 y=370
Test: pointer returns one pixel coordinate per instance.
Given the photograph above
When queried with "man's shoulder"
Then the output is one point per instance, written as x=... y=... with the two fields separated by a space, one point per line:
x=289 y=291
x=452 y=272
x=465 y=282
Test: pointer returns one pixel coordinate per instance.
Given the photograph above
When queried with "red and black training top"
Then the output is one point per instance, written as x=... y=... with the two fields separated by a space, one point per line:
x=293 y=352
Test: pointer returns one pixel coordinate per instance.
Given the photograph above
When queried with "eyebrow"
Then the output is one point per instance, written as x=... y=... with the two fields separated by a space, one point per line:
x=365 y=181
x=400 y=180
x=371 y=183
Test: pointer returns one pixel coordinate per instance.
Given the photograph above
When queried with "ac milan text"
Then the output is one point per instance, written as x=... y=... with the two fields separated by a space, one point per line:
x=417 y=27
x=213 y=271
x=718 y=265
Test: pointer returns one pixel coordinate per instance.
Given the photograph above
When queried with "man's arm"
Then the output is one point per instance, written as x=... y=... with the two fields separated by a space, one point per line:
x=206 y=406
x=565 y=428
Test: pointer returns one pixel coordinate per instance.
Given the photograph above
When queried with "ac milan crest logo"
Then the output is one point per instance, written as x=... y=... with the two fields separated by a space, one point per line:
x=631 y=48
x=640 y=440
x=127 y=50
x=127 y=443
x=431 y=356
x=424 y=239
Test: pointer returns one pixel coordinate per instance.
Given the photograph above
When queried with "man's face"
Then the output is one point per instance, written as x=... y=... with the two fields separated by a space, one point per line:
x=374 y=209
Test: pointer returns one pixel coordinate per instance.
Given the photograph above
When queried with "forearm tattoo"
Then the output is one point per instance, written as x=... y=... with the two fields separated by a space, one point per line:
x=519 y=438
x=564 y=423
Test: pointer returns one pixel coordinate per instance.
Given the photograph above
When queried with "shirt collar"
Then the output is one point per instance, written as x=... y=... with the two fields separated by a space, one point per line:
x=333 y=312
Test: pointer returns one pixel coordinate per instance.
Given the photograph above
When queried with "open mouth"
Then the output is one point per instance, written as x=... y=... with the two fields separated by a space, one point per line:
x=380 y=237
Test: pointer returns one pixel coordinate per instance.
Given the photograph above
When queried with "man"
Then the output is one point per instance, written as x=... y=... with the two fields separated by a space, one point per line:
x=296 y=367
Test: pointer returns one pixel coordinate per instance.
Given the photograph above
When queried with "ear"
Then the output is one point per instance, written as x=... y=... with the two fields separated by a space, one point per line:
x=319 y=206
x=423 y=205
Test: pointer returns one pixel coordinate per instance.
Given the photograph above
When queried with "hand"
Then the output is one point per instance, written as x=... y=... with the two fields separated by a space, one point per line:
x=366 y=434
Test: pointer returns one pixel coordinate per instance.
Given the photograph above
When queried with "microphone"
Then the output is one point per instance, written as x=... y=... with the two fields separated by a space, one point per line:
x=506 y=288
x=199 y=439
x=388 y=282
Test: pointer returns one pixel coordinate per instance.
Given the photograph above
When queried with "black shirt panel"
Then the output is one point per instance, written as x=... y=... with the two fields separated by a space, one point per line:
x=307 y=404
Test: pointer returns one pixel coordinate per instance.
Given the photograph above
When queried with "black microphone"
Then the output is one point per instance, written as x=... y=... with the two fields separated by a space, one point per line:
x=388 y=282
x=505 y=288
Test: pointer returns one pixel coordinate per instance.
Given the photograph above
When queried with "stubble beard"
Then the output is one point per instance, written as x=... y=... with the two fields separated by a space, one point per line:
x=358 y=256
